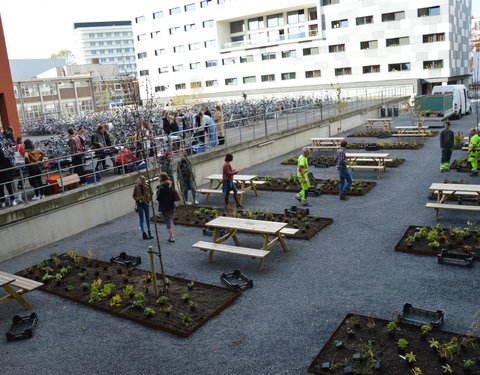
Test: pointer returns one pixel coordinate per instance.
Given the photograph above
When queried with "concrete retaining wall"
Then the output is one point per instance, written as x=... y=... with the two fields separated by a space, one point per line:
x=28 y=227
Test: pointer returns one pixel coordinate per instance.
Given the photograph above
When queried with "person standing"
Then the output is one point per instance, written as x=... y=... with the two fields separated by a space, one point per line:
x=228 y=184
x=19 y=154
x=302 y=175
x=77 y=158
x=167 y=167
x=343 y=173
x=186 y=178
x=6 y=178
x=446 y=145
x=473 y=147
x=166 y=203
x=98 y=141
x=141 y=195
x=32 y=156
x=218 y=118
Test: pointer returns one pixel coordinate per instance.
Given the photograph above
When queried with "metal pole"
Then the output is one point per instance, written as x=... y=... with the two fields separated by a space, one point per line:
x=154 y=275
x=61 y=175
x=265 y=118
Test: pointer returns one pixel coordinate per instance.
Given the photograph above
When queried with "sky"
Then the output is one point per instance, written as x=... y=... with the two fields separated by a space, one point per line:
x=36 y=29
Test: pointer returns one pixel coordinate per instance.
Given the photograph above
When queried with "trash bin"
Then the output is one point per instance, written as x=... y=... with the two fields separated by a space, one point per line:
x=382 y=112
x=389 y=112
x=395 y=111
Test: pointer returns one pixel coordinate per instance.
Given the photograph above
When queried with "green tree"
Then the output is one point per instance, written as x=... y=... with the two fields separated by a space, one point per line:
x=64 y=54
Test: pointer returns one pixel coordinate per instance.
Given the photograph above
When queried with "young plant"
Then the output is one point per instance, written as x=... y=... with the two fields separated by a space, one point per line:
x=391 y=327
x=468 y=363
x=433 y=244
x=411 y=358
x=423 y=231
x=402 y=343
x=186 y=320
x=47 y=277
x=69 y=288
x=107 y=290
x=162 y=300
x=138 y=304
x=85 y=286
x=128 y=290
x=434 y=344
x=58 y=277
x=417 y=371
x=426 y=329
x=184 y=297
x=190 y=285
x=193 y=305
x=116 y=300
x=447 y=369
x=148 y=312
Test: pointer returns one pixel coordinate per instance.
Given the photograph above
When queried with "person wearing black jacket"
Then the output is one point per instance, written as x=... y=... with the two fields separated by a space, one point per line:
x=6 y=179
x=166 y=203
x=446 y=145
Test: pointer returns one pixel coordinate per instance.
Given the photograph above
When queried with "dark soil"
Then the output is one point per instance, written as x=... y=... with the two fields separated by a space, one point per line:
x=323 y=161
x=196 y=216
x=209 y=299
x=462 y=243
x=461 y=165
x=371 y=337
x=385 y=145
x=329 y=186
x=384 y=134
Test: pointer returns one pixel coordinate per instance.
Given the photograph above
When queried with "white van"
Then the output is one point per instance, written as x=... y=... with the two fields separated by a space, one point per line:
x=461 y=103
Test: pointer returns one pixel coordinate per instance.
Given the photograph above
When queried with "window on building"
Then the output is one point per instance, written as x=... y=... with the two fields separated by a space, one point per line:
x=431 y=11
x=237 y=27
x=174 y=30
x=178 y=49
x=393 y=16
x=228 y=61
x=101 y=43
x=249 y=79
x=163 y=69
x=117 y=42
x=195 y=85
x=289 y=53
x=288 y=76
x=180 y=86
x=91 y=35
x=312 y=14
x=230 y=81
x=364 y=20
x=204 y=3
x=116 y=34
x=336 y=48
x=194 y=46
x=310 y=51
x=144 y=73
x=174 y=11
x=296 y=16
x=140 y=19
x=102 y=52
x=269 y=56
x=177 y=68
x=155 y=34
x=190 y=26
x=330 y=2
x=142 y=55
x=160 y=52
x=268 y=77
x=246 y=59
x=398 y=67
x=343 y=71
x=100 y=35
x=119 y=58
x=92 y=44
x=256 y=23
x=433 y=64
x=369 y=44
x=210 y=43
x=312 y=73
x=109 y=43
x=126 y=33
x=207 y=24
x=160 y=88
x=189 y=7
x=103 y=60
x=220 y=1
x=157 y=15
x=296 y=32
x=339 y=23
x=371 y=69
x=195 y=65
x=86 y=106
x=140 y=37
x=93 y=52
x=211 y=63
x=312 y=30
x=430 y=38
x=395 y=42
x=212 y=83
x=275 y=20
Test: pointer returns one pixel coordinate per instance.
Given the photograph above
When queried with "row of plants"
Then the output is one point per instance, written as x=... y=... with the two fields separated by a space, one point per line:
x=385 y=145
x=384 y=133
x=329 y=161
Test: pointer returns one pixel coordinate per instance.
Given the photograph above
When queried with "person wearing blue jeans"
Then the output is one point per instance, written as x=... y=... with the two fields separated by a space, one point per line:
x=343 y=173
x=141 y=195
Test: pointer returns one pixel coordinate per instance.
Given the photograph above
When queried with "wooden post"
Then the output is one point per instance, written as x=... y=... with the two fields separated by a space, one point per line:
x=154 y=276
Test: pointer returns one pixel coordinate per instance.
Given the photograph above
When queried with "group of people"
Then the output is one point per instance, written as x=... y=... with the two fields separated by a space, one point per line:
x=447 y=142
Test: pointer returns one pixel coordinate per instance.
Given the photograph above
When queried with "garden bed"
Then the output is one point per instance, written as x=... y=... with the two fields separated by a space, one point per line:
x=385 y=145
x=128 y=292
x=196 y=216
x=461 y=165
x=329 y=161
x=367 y=343
x=328 y=186
x=421 y=240
x=384 y=134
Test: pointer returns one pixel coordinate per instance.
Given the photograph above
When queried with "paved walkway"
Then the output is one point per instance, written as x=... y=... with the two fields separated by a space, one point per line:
x=297 y=301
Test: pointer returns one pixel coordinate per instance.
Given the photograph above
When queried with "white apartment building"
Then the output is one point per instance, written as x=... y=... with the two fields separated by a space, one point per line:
x=106 y=43
x=223 y=48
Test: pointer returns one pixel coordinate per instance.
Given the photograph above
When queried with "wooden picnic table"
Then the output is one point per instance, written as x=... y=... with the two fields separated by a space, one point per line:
x=445 y=191
x=244 y=183
x=378 y=158
x=326 y=142
x=16 y=286
x=372 y=122
x=419 y=130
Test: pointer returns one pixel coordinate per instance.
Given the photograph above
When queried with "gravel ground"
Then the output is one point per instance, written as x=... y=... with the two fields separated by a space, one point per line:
x=280 y=325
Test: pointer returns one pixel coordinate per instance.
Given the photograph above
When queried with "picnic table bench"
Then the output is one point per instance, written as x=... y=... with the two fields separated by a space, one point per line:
x=16 y=286
x=411 y=131
x=326 y=142
x=245 y=183
x=445 y=191
x=384 y=122
x=378 y=158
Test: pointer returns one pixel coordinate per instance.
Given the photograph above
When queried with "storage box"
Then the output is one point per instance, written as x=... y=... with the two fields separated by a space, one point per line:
x=199 y=148
x=52 y=181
